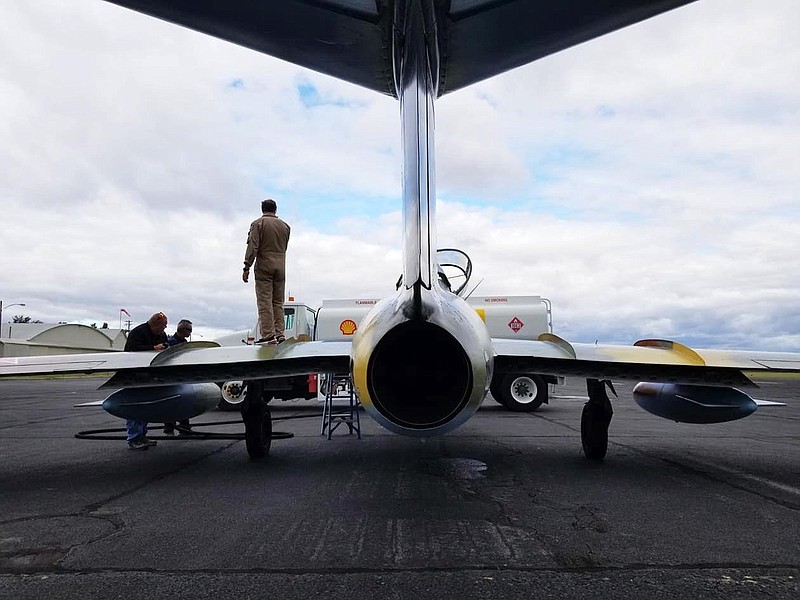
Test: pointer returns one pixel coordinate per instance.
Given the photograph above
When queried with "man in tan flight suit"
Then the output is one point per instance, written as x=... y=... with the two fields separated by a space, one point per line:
x=266 y=247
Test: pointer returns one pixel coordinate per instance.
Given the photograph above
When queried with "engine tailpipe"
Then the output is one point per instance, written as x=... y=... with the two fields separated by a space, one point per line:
x=693 y=403
x=421 y=366
x=419 y=376
x=162 y=404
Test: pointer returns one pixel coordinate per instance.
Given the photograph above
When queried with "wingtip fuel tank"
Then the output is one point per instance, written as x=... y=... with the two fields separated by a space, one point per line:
x=163 y=403
x=693 y=403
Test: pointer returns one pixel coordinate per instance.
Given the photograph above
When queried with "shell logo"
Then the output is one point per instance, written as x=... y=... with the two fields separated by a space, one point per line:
x=348 y=327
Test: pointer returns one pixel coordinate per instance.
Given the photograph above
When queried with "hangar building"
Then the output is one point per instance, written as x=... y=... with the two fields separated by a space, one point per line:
x=37 y=339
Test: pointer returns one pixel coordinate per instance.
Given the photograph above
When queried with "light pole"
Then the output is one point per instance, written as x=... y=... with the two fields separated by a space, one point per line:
x=1 y=314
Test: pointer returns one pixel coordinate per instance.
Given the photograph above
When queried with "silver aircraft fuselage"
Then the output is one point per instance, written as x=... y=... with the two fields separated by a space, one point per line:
x=422 y=358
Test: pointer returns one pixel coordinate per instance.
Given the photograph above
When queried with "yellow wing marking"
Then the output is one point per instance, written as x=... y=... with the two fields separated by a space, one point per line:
x=559 y=342
x=684 y=352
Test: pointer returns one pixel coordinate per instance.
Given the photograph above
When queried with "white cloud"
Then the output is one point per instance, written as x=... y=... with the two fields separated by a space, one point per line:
x=647 y=182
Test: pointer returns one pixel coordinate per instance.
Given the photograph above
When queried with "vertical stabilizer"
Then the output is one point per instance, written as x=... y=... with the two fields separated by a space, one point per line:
x=416 y=71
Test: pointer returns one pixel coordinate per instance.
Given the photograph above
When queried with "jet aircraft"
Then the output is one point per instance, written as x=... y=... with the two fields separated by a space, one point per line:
x=421 y=362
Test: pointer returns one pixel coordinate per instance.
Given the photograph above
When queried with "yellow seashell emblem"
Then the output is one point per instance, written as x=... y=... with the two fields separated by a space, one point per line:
x=348 y=327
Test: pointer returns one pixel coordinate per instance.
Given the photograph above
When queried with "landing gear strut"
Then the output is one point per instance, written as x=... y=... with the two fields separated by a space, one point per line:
x=257 y=421
x=596 y=418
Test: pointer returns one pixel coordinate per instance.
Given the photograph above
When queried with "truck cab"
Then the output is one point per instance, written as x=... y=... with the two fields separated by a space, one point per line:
x=299 y=324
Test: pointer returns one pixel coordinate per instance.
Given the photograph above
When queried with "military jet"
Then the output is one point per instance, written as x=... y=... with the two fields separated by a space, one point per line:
x=422 y=361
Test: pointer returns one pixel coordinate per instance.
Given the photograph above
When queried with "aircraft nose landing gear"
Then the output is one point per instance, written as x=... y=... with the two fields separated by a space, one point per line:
x=257 y=421
x=596 y=418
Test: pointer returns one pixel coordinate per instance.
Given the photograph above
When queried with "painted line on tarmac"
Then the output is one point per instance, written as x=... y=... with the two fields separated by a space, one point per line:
x=762 y=480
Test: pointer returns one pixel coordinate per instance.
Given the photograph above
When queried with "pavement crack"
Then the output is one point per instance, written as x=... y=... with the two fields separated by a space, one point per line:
x=40 y=542
x=157 y=478
x=585 y=569
x=706 y=471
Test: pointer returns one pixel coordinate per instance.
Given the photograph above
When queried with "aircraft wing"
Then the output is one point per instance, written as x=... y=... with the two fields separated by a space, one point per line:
x=192 y=362
x=353 y=39
x=647 y=360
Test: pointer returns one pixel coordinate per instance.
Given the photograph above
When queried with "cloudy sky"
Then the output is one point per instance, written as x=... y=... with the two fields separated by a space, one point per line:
x=647 y=182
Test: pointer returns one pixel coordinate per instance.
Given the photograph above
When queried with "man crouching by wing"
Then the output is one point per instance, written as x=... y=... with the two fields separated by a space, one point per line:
x=145 y=337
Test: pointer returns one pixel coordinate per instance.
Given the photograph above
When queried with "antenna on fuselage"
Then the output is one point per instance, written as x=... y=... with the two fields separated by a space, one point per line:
x=473 y=289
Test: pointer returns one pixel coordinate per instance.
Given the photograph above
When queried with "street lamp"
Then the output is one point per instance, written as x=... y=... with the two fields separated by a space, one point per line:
x=1 y=314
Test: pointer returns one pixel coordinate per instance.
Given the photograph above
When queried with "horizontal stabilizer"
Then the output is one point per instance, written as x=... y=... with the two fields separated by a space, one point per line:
x=353 y=40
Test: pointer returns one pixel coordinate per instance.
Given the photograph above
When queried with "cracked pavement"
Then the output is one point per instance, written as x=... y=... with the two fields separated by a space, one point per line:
x=505 y=507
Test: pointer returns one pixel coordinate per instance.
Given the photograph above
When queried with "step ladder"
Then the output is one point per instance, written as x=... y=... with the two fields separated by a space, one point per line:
x=341 y=406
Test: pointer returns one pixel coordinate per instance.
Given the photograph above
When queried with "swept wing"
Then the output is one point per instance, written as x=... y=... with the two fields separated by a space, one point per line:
x=192 y=362
x=656 y=360
x=648 y=360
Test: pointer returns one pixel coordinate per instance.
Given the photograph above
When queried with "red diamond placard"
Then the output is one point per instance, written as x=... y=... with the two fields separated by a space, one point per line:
x=515 y=324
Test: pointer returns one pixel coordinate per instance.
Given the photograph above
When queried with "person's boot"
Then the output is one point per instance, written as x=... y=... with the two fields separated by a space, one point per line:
x=137 y=444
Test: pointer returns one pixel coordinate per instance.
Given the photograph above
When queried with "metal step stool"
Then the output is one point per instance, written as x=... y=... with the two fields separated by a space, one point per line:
x=341 y=406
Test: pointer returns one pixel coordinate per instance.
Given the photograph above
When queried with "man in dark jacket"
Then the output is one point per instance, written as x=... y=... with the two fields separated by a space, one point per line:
x=181 y=336
x=266 y=251
x=182 y=333
x=147 y=336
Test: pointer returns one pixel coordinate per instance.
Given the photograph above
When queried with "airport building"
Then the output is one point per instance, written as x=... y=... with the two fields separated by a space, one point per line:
x=38 y=339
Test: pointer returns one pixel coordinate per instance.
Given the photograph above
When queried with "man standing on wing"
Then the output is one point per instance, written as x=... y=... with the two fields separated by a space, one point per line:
x=266 y=252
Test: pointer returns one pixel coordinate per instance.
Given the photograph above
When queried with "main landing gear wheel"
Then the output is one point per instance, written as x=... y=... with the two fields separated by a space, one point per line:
x=257 y=421
x=595 y=419
x=520 y=393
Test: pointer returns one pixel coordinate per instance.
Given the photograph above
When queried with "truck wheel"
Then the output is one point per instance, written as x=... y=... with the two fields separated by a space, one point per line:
x=521 y=393
x=233 y=393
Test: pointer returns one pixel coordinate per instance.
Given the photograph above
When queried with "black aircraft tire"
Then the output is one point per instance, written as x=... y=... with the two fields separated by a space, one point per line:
x=257 y=421
x=258 y=431
x=521 y=393
x=594 y=433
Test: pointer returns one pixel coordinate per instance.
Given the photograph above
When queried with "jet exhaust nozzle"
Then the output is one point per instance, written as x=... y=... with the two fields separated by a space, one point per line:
x=419 y=385
x=163 y=403
x=422 y=376
x=693 y=403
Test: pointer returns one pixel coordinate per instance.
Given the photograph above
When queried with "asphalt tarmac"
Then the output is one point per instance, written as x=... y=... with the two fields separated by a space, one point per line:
x=505 y=507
